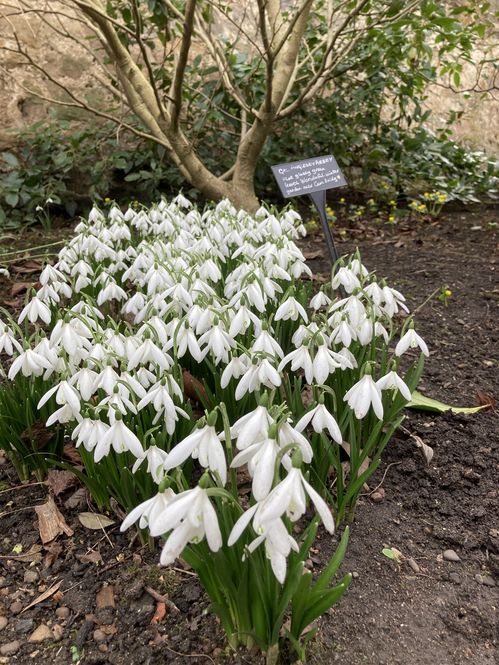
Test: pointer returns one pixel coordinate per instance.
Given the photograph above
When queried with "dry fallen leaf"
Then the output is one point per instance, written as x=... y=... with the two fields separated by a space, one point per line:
x=20 y=287
x=105 y=597
x=43 y=596
x=159 y=614
x=50 y=522
x=53 y=551
x=365 y=464
x=33 y=555
x=39 y=433
x=193 y=388
x=94 y=556
x=94 y=520
x=484 y=399
x=60 y=481
x=314 y=254
x=426 y=451
x=77 y=500
x=73 y=455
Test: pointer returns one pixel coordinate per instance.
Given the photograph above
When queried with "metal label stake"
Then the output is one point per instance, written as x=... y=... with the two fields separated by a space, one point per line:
x=312 y=177
x=319 y=199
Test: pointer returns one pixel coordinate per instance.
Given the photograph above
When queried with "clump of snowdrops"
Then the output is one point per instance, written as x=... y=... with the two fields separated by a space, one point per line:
x=224 y=400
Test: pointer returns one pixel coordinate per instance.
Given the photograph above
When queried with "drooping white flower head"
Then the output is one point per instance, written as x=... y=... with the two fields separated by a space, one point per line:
x=362 y=395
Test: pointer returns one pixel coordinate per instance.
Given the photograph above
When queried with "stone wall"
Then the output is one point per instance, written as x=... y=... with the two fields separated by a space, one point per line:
x=478 y=128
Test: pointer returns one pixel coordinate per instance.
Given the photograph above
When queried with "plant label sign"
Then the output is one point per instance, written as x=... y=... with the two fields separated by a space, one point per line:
x=308 y=175
x=313 y=177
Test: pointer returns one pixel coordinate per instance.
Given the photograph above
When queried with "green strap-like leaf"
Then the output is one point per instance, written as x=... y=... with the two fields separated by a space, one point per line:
x=424 y=403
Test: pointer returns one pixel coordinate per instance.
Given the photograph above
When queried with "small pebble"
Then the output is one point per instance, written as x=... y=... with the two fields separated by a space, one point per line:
x=99 y=636
x=355 y=575
x=10 y=648
x=41 y=634
x=24 y=625
x=378 y=496
x=3 y=622
x=57 y=632
x=16 y=607
x=62 y=612
x=486 y=580
x=450 y=555
x=31 y=576
x=413 y=565
x=454 y=577
x=103 y=648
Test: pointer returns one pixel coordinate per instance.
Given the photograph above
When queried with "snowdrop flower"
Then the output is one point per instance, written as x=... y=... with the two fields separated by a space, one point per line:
x=364 y=393
x=260 y=458
x=300 y=359
x=64 y=394
x=259 y=373
x=374 y=291
x=186 y=341
x=347 y=278
x=252 y=427
x=85 y=379
x=304 y=331
x=156 y=459
x=111 y=292
x=290 y=309
x=34 y=310
x=48 y=294
x=219 y=342
x=147 y=353
x=71 y=340
x=287 y=435
x=204 y=444
x=321 y=420
x=29 y=363
x=159 y=396
x=288 y=497
x=107 y=380
x=148 y=512
x=267 y=344
x=352 y=306
x=242 y=320
x=320 y=300
x=326 y=362
x=121 y=438
x=117 y=401
x=392 y=381
x=190 y=517
x=278 y=545
x=7 y=341
x=411 y=340
x=50 y=274
x=234 y=370
x=357 y=268
x=393 y=301
x=89 y=432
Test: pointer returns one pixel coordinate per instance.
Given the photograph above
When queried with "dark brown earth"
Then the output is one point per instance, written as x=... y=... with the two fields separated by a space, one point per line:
x=429 y=611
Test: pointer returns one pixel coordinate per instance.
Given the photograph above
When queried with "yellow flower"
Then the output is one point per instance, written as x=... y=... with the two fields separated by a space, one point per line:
x=392 y=203
x=391 y=219
x=342 y=200
x=447 y=293
x=107 y=200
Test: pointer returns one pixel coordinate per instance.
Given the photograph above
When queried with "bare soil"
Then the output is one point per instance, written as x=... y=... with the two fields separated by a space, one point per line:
x=423 y=611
